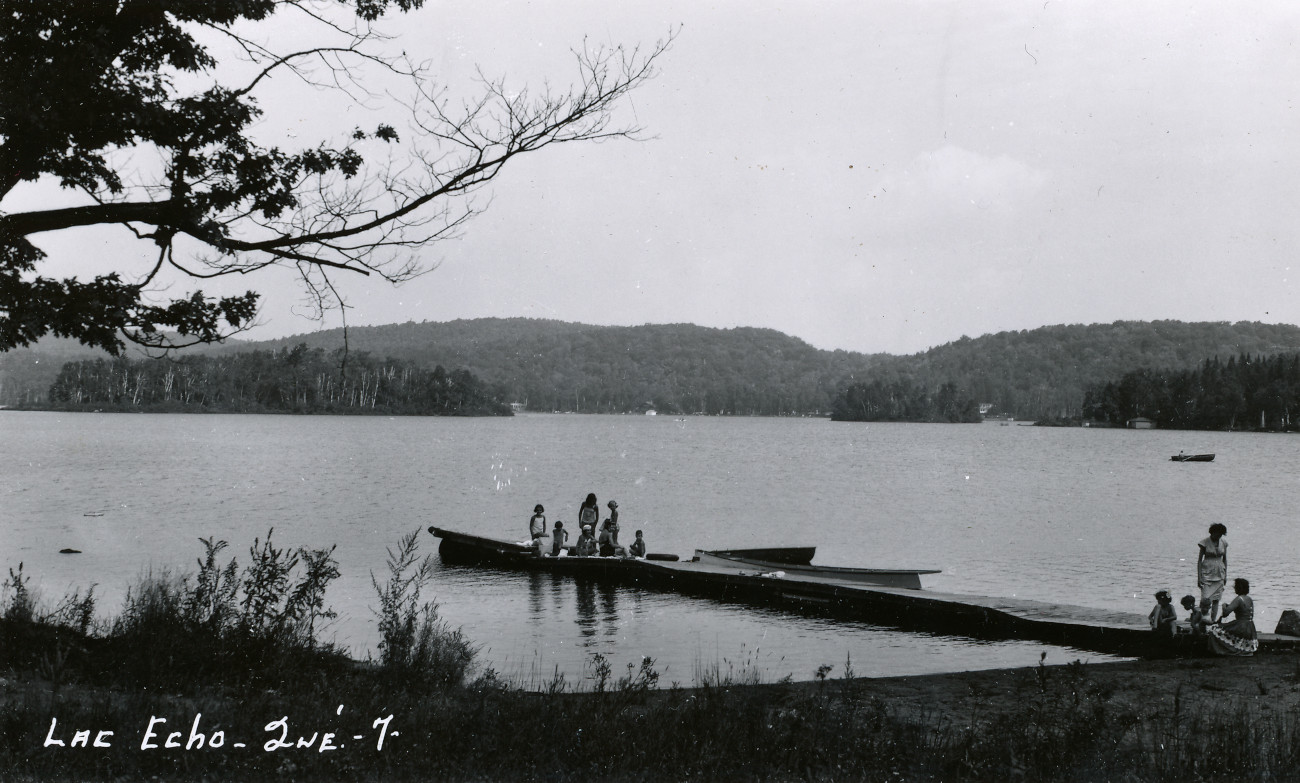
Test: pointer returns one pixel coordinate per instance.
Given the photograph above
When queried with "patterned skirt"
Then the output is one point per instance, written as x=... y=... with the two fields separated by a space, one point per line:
x=1223 y=641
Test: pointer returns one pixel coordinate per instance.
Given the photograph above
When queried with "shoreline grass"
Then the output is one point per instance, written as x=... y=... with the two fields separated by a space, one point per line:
x=233 y=652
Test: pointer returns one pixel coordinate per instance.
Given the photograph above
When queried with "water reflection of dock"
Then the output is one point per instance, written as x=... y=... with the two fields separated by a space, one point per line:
x=976 y=616
x=596 y=601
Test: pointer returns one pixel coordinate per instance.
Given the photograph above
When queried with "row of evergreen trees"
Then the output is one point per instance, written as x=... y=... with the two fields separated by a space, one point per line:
x=904 y=400
x=1244 y=393
x=290 y=380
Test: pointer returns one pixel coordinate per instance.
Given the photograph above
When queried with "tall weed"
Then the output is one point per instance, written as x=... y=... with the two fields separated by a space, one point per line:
x=414 y=640
x=211 y=604
x=20 y=604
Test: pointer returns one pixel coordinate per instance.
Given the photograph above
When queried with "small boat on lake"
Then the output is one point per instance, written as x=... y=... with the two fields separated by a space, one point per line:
x=1192 y=458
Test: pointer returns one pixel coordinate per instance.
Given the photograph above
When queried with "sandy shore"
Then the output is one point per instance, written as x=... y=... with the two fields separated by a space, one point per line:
x=1270 y=683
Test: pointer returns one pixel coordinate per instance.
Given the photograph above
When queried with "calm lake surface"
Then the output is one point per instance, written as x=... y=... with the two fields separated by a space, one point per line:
x=1098 y=518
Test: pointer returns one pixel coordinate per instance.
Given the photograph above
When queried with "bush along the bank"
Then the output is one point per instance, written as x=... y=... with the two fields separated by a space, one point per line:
x=255 y=626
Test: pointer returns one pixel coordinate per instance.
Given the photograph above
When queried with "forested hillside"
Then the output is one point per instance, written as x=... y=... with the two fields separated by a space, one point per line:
x=1044 y=372
x=1246 y=392
x=676 y=368
x=682 y=368
x=26 y=373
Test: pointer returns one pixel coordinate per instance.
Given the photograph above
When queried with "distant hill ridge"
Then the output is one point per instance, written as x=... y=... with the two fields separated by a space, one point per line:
x=684 y=368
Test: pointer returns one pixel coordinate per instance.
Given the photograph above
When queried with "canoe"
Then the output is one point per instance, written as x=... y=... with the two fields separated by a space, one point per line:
x=789 y=555
x=909 y=578
x=467 y=548
x=1192 y=458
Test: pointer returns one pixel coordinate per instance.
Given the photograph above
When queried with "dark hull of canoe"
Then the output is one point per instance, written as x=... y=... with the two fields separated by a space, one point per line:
x=474 y=550
x=465 y=549
x=1192 y=458
x=909 y=578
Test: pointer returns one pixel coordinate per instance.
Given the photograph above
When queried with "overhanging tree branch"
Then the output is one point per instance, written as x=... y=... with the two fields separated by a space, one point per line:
x=328 y=207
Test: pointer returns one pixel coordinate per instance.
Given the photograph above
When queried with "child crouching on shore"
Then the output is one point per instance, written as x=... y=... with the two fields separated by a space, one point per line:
x=1195 y=620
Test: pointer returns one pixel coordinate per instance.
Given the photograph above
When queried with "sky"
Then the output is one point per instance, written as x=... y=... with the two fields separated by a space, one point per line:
x=881 y=176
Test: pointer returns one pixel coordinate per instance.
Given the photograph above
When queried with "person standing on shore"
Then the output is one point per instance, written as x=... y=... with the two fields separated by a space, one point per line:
x=1212 y=570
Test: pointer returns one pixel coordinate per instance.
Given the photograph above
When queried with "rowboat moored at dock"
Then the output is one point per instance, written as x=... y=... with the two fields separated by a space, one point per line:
x=909 y=578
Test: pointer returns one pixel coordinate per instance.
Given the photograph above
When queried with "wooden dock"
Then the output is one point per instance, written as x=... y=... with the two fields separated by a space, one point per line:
x=983 y=617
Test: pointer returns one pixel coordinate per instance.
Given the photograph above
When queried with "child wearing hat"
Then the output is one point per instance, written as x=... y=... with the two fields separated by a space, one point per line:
x=586 y=545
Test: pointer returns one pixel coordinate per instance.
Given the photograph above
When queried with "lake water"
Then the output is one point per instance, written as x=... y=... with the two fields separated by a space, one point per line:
x=1098 y=518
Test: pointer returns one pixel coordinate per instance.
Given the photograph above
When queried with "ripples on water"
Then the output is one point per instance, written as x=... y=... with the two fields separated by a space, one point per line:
x=1093 y=517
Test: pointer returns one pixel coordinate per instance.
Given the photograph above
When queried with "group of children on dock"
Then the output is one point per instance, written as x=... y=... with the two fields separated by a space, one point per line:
x=1223 y=638
x=589 y=543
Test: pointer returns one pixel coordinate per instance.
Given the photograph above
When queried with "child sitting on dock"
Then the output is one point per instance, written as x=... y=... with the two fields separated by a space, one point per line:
x=1195 y=620
x=558 y=537
x=586 y=545
x=637 y=548
x=1163 y=616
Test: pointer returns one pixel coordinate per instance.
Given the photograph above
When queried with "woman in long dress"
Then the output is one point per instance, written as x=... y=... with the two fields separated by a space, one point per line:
x=1237 y=637
x=1212 y=570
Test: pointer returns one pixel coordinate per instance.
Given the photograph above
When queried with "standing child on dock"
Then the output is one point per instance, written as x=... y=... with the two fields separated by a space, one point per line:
x=558 y=538
x=589 y=512
x=537 y=528
x=608 y=539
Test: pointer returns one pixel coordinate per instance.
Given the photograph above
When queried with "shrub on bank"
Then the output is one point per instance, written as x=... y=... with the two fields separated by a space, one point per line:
x=415 y=644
